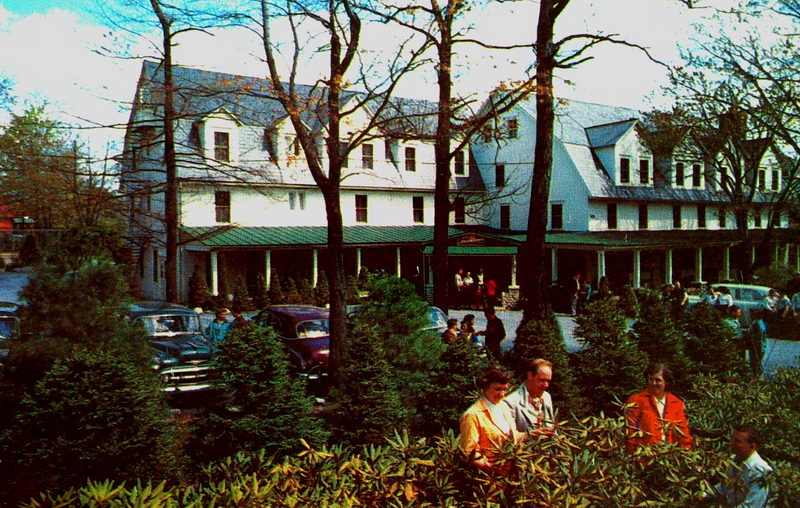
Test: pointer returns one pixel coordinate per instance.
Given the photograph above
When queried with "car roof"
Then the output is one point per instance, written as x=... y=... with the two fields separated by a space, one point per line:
x=300 y=312
x=737 y=285
x=157 y=307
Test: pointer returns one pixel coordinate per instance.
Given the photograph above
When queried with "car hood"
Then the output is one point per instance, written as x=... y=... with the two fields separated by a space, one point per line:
x=185 y=347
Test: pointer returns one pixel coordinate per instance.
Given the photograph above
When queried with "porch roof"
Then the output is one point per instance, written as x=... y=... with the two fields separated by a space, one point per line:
x=243 y=236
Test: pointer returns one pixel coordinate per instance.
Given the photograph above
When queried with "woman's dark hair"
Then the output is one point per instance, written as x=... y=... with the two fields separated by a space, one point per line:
x=494 y=374
x=452 y=322
x=660 y=368
x=468 y=318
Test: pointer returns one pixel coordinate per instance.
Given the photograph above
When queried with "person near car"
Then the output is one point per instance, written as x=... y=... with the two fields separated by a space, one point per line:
x=494 y=333
x=450 y=336
x=747 y=478
x=783 y=306
x=488 y=424
x=796 y=303
x=756 y=341
x=709 y=296
x=769 y=302
x=531 y=404
x=655 y=415
x=679 y=297
x=733 y=317
x=239 y=321
x=218 y=328
x=724 y=297
x=468 y=328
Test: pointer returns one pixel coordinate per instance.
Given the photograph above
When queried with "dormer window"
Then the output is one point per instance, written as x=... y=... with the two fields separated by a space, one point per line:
x=624 y=170
x=644 y=171
x=680 y=176
x=411 y=158
x=697 y=175
x=513 y=128
x=222 y=146
x=458 y=163
x=776 y=180
x=762 y=180
x=367 y=156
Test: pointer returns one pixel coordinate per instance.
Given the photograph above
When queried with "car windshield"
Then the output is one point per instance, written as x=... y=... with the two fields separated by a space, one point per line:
x=171 y=324
x=7 y=326
x=436 y=318
x=312 y=329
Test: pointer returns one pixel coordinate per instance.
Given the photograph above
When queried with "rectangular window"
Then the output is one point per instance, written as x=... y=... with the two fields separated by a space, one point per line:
x=411 y=158
x=701 y=216
x=723 y=218
x=297 y=201
x=361 y=208
x=222 y=146
x=459 y=211
x=367 y=160
x=757 y=218
x=142 y=255
x=505 y=217
x=644 y=218
x=679 y=174
x=776 y=180
x=722 y=175
x=418 y=207
x=557 y=216
x=513 y=128
x=344 y=154
x=155 y=265
x=611 y=215
x=222 y=206
x=459 y=163
x=676 y=217
x=762 y=180
x=624 y=170
x=499 y=175
x=644 y=171
x=697 y=175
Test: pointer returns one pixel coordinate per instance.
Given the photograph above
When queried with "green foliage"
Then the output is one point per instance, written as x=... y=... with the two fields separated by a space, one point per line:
x=663 y=338
x=92 y=415
x=322 y=294
x=712 y=344
x=241 y=295
x=352 y=291
x=368 y=404
x=391 y=326
x=629 y=302
x=260 y=293
x=543 y=339
x=30 y=252
x=272 y=410
x=454 y=388
x=306 y=291
x=199 y=293
x=291 y=293
x=275 y=293
x=776 y=275
x=610 y=366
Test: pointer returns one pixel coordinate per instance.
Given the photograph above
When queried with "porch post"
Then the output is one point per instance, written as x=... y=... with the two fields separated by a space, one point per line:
x=726 y=262
x=786 y=254
x=601 y=265
x=513 y=271
x=752 y=255
x=553 y=264
x=397 y=259
x=637 y=268
x=268 y=267
x=776 y=253
x=358 y=261
x=668 y=267
x=314 y=267
x=698 y=264
x=214 y=273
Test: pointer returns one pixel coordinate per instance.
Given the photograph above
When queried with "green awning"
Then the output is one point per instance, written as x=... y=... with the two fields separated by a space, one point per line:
x=477 y=250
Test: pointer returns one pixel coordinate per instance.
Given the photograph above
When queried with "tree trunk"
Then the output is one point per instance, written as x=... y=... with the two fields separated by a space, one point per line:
x=533 y=251
x=171 y=186
x=441 y=212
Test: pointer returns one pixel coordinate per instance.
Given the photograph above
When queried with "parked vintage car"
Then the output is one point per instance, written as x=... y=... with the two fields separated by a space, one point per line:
x=746 y=296
x=305 y=332
x=182 y=354
x=9 y=326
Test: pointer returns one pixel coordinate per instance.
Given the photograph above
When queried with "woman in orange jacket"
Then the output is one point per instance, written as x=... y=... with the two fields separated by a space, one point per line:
x=654 y=415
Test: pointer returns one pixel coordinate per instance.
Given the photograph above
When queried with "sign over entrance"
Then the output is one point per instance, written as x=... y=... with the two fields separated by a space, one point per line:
x=470 y=239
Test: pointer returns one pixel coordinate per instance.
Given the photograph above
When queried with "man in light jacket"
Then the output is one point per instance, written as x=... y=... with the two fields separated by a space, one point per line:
x=531 y=403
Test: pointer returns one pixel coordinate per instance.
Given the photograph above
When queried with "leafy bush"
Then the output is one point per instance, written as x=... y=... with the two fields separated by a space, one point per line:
x=610 y=366
x=275 y=293
x=271 y=408
x=241 y=295
x=776 y=275
x=199 y=294
x=260 y=292
x=290 y=292
x=712 y=345
x=92 y=415
x=322 y=292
